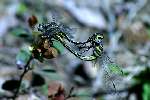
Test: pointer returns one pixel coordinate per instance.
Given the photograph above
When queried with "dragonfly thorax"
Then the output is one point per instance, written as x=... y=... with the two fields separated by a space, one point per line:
x=48 y=29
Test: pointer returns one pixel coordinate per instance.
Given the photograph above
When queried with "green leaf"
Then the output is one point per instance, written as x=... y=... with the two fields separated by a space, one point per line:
x=22 y=8
x=23 y=56
x=49 y=70
x=44 y=89
x=146 y=92
x=20 y=32
x=116 y=69
x=35 y=33
x=148 y=31
x=58 y=46
x=50 y=75
x=83 y=94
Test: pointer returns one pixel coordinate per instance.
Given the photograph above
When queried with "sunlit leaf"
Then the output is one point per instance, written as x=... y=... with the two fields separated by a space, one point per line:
x=58 y=46
x=23 y=56
x=146 y=92
x=21 y=8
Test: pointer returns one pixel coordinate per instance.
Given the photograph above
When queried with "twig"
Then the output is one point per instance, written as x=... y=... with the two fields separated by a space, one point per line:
x=26 y=69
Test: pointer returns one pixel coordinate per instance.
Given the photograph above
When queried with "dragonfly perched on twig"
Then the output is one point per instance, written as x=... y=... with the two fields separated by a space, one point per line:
x=53 y=31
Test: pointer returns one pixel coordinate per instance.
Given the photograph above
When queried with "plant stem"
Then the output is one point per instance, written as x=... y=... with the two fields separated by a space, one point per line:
x=26 y=69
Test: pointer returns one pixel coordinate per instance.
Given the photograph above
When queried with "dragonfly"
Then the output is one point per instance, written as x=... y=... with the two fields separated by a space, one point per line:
x=53 y=31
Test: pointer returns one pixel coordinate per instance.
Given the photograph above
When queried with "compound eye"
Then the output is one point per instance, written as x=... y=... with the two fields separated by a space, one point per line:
x=99 y=37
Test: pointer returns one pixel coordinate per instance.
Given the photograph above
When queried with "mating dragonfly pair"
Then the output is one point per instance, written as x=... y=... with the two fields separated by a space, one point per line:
x=53 y=31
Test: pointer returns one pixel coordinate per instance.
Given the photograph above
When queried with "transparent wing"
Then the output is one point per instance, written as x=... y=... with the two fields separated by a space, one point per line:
x=112 y=74
x=64 y=28
x=67 y=30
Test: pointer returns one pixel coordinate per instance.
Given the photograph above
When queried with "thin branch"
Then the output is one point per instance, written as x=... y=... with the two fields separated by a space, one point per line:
x=26 y=69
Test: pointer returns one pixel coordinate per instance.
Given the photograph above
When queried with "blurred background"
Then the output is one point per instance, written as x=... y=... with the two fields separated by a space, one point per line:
x=126 y=28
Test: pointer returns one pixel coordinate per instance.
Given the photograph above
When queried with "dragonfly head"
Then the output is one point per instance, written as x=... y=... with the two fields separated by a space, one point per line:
x=98 y=39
